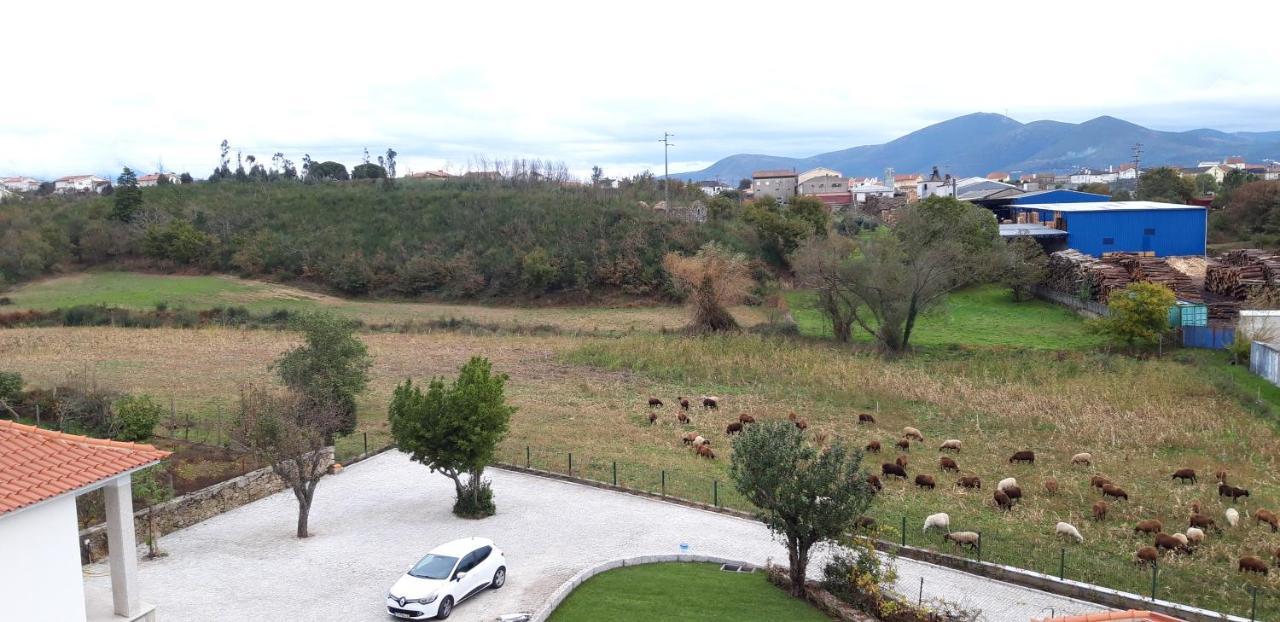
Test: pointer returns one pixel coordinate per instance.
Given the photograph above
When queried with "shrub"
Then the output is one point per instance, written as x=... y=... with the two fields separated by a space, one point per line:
x=137 y=417
x=1139 y=315
x=10 y=386
x=475 y=503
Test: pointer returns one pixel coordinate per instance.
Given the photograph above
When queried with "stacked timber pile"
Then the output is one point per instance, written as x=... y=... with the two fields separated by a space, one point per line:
x=1240 y=273
x=1075 y=273
x=1158 y=270
x=1224 y=309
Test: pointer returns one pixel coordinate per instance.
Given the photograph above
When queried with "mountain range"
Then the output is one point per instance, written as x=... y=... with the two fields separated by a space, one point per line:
x=979 y=143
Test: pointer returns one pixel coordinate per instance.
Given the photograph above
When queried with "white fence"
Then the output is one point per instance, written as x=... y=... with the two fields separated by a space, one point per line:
x=1264 y=360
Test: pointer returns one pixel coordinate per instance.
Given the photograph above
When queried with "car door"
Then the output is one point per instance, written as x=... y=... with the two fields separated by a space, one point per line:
x=481 y=569
x=464 y=586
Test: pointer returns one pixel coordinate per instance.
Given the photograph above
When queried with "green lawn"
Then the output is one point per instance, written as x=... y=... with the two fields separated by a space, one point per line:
x=981 y=316
x=145 y=291
x=681 y=592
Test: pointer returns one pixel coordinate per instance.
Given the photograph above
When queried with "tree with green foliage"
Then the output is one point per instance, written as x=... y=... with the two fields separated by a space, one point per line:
x=1205 y=184
x=1096 y=188
x=391 y=163
x=812 y=211
x=127 y=197
x=178 y=241
x=823 y=264
x=10 y=391
x=1122 y=195
x=1254 y=211
x=185 y=179
x=137 y=417
x=803 y=493
x=721 y=207
x=1166 y=185
x=1139 y=315
x=329 y=369
x=1025 y=266
x=1232 y=181
x=328 y=171
x=152 y=486
x=368 y=171
x=455 y=430
x=780 y=229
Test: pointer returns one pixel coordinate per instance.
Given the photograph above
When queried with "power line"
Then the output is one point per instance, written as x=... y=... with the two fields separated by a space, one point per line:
x=666 y=171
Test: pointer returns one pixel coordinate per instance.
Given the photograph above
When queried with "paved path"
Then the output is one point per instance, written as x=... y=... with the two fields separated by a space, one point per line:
x=373 y=521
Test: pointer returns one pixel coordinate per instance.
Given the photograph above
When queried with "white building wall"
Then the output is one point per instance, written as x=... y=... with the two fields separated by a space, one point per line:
x=40 y=563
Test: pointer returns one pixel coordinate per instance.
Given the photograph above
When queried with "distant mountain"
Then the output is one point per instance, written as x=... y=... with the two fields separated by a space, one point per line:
x=979 y=143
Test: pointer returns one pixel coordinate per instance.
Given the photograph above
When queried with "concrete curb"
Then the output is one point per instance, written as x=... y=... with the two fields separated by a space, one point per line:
x=566 y=588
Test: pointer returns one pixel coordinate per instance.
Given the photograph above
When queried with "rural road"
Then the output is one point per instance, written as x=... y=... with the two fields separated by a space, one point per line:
x=374 y=520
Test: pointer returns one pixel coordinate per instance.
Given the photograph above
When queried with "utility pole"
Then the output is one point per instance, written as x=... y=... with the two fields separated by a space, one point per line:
x=666 y=172
x=1137 y=168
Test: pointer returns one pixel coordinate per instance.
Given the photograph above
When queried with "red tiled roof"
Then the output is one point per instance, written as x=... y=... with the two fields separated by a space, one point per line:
x=36 y=464
x=908 y=177
x=998 y=175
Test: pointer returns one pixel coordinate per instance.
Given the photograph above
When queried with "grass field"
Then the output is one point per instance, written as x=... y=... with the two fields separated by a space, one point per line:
x=585 y=395
x=684 y=593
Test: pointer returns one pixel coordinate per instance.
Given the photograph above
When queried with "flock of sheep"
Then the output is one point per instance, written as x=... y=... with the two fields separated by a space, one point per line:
x=1007 y=493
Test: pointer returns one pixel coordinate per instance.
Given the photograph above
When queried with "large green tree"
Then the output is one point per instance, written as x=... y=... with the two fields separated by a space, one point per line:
x=368 y=171
x=1139 y=315
x=127 y=197
x=329 y=369
x=781 y=228
x=1165 y=184
x=455 y=429
x=1025 y=266
x=803 y=493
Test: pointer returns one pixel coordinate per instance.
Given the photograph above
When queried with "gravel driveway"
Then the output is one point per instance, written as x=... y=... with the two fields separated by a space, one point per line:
x=370 y=523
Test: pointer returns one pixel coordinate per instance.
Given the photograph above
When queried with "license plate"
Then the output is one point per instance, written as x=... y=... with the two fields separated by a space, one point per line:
x=400 y=615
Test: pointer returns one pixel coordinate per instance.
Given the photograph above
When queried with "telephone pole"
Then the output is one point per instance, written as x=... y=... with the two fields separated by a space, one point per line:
x=1137 y=168
x=666 y=172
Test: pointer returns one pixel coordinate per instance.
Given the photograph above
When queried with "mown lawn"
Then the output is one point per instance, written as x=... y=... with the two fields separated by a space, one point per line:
x=684 y=592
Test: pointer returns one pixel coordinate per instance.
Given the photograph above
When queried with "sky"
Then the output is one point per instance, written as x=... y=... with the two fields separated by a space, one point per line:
x=92 y=87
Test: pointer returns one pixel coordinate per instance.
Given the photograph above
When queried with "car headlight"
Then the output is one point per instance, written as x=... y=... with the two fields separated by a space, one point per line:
x=430 y=598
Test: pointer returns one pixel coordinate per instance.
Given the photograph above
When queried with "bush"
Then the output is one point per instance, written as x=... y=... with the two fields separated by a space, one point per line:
x=10 y=386
x=475 y=504
x=1139 y=315
x=137 y=417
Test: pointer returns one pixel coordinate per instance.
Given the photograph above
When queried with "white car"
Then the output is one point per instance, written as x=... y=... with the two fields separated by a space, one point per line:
x=448 y=575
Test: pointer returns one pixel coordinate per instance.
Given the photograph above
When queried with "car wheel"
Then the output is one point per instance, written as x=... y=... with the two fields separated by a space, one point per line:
x=499 y=578
x=446 y=608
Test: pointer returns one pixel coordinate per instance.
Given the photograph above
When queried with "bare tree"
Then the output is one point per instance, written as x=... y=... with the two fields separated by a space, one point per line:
x=289 y=432
x=823 y=264
x=715 y=279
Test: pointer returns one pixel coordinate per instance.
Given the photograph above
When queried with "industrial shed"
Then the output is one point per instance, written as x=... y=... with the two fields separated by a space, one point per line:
x=1162 y=229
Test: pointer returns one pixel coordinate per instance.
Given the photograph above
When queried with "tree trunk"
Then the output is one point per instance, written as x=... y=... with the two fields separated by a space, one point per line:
x=304 y=510
x=911 y=321
x=798 y=560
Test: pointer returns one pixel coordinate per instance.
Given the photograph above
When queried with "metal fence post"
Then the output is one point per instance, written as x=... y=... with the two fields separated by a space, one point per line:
x=1253 y=610
x=571 y=463
x=920 y=599
x=37 y=415
x=1155 y=569
x=981 y=541
x=664 y=482
x=904 y=530
x=1062 y=565
x=528 y=457
x=366 y=442
x=715 y=492
x=615 y=472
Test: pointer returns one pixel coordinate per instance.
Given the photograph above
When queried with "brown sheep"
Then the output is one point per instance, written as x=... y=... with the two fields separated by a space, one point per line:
x=1250 y=563
x=1148 y=555
x=1098 y=481
x=1149 y=526
x=1013 y=492
x=1028 y=457
x=683 y=418
x=947 y=464
x=901 y=461
x=689 y=436
x=1200 y=521
x=970 y=481
x=800 y=423
x=1111 y=490
x=1003 y=501
x=1227 y=490
x=873 y=447
x=889 y=468
x=1166 y=541
x=866 y=418
x=1277 y=555
x=1099 y=510
x=1221 y=476
x=1185 y=475
x=1195 y=508
x=705 y=452
x=684 y=402
x=711 y=403
x=904 y=444
x=733 y=428
x=655 y=402
x=744 y=419
x=1051 y=486
x=913 y=434
x=925 y=481
x=1268 y=517
x=653 y=418
x=874 y=482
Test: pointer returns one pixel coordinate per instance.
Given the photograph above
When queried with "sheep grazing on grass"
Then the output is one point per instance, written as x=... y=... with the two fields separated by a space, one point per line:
x=655 y=402
x=1029 y=457
x=913 y=434
x=937 y=521
x=874 y=482
x=1167 y=542
x=1185 y=475
x=866 y=418
x=700 y=440
x=1221 y=476
x=1115 y=492
x=889 y=468
x=1149 y=526
x=1147 y=555
x=733 y=428
x=684 y=403
x=1098 y=481
x=1195 y=536
x=904 y=444
x=1069 y=530
x=950 y=444
x=1083 y=458
x=873 y=447
x=1250 y=563
x=964 y=538
x=1014 y=493
x=901 y=461
x=970 y=481
x=1268 y=517
x=1100 y=510
x=705 y=452
x=653 y=418
x=1200 y=521
x=1233 y=517
x=947 y=464
x=1180 y=537
x=689 y=437
x=800 y=422
x=710 y=402
x=1051 y=486
x=1235 y=492
x=744 y=419
x=865 y=523
x=1006 y=482
x=925 y=481
x=1003 y=501
x=1195 y=508
x=683 y=418
x=1277 y=556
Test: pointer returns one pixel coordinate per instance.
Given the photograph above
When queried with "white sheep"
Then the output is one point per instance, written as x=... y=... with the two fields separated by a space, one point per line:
x=950 y=443
x=699 y=440
x=910 y=432
x=1083 y=457
x=1006 y=483
x=940 y=520
x=963 y=538
x=1233 y=517
x=1067 y=529
x=1182 y=538
x=1195 y=535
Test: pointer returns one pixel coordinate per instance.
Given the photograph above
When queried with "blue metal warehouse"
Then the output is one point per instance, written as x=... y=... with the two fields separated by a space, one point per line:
x=1164 y=229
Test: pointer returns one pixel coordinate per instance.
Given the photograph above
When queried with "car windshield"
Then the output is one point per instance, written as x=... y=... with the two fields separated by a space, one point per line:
x=433 y=567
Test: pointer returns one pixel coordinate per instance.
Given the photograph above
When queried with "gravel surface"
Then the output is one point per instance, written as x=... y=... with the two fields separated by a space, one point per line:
x=370 y=523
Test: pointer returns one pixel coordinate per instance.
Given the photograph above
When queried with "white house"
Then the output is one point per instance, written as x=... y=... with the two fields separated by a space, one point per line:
x=20 y=184
x=147 y=181
x=860 y=193
x=80 y=183
x=821 y=171
x=712 y=187
x=41 y=474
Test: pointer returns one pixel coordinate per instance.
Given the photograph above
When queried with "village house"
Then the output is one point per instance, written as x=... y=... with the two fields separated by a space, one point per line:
x=147 y=181
x=1001 y=176
x=1217 y=171
x=429 y=175
x=821 y=171
x=779 y=184
x=20 y=184
x=713 y=187
x=80 y=183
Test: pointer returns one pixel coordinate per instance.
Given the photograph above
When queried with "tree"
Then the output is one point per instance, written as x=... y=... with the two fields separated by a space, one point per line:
x=164 y=179
x=1255 y=209
x=811 y=211
x=368 y=171
x=10 y=391
x=185 y=179
x=597 y=174
x=1122 y=195
x=289 y=431
x=1096 y=188
x=1165 y=184
x=803 y=494
x=152 y=486
x=1232 y=181
x=391 y=163
x=721 y=207
x=779 y=229
x=1025 y=266
x=128 y=197
x=455 y=429
x=714 y=279
x=329 y=369
x=1205 y=184
x=1139 y=315
x=744 y=184
x=327 y=171
x=138 y=416
x=822 y=264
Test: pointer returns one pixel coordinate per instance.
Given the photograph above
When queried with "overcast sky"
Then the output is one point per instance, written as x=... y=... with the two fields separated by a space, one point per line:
x=93 y=87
